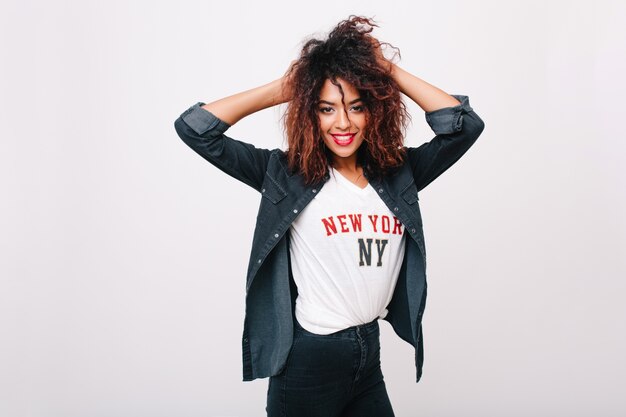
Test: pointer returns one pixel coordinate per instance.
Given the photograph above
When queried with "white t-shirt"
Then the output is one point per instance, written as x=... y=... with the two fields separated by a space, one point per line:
x=346 y=252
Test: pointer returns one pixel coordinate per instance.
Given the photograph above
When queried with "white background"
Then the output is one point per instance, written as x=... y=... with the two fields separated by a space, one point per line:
x=124 y=254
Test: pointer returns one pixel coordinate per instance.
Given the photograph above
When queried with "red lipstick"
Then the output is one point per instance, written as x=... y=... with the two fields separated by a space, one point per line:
x=344 y=139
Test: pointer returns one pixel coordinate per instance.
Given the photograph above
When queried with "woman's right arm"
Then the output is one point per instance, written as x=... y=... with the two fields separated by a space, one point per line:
x=233 y=108
x=202 y=128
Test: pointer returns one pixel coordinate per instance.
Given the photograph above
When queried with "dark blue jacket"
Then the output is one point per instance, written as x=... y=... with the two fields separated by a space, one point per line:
x=270 y=289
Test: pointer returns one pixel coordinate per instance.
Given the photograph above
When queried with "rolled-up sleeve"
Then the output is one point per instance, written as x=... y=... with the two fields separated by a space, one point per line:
x=203 y=121
x=448 y=119
x=456 y=128
x=203 y=132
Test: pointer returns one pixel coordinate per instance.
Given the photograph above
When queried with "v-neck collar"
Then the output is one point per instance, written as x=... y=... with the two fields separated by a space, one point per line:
x=350 y=184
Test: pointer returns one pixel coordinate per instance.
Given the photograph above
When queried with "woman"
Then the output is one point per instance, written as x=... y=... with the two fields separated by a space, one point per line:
x=338 y=242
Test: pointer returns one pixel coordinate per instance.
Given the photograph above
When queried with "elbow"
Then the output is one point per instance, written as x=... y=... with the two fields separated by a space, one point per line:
x=183 y=130
x=474 y=124
x=178 y=127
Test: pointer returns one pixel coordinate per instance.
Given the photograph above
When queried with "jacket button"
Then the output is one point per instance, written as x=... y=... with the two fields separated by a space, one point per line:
x=395 y=209
x=276 y=235
x=245 y=339
x=295 y=210
x=412 y=230
x=380 y=190
x=258 y=261
x=314 y=190
x=263 y=190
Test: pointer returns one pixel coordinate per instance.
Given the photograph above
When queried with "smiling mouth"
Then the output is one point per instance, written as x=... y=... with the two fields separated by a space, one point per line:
x=344 y=140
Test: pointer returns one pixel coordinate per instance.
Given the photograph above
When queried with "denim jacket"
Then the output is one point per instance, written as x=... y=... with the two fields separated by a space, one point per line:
x=270 y=289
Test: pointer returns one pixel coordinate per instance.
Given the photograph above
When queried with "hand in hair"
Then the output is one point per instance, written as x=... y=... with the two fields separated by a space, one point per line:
x=378 y=53
x=285 y=83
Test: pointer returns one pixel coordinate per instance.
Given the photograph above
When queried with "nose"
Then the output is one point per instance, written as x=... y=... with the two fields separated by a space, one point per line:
x=342 y=121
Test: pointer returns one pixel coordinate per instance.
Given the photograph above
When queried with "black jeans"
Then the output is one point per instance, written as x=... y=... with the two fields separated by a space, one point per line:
x=335 y=375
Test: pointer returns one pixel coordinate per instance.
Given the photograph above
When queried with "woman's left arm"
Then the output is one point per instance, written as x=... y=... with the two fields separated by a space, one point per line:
x=427 y=96
x=451 y=117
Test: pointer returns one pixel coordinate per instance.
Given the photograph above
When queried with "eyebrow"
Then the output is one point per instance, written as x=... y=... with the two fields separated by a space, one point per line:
x=332 y=104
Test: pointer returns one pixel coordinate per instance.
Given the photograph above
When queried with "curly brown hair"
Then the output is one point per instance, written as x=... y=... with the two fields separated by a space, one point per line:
x=348 y=53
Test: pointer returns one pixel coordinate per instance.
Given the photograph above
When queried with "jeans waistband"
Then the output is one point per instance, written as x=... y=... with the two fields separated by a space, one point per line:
x=350 y=332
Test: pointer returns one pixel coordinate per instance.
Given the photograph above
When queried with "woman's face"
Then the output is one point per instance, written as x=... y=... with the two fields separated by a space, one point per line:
x=341 y=125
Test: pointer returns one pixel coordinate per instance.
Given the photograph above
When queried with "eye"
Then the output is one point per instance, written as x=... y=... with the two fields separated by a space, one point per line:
x=327 y=110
